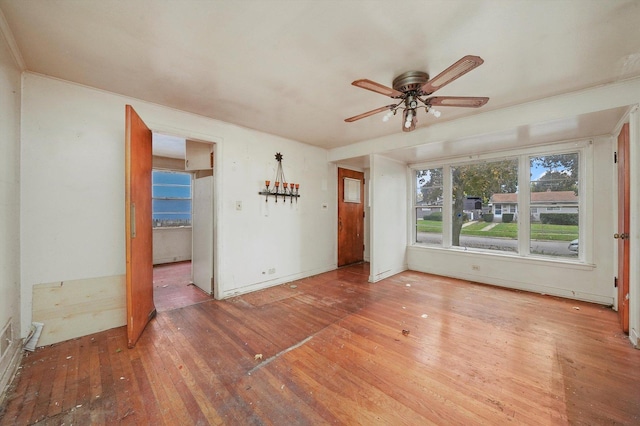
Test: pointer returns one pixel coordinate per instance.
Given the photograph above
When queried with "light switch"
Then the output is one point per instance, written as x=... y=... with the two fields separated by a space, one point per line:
x=238 y=205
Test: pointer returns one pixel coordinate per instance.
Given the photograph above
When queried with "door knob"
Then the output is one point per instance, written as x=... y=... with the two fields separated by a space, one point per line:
x=622 y=236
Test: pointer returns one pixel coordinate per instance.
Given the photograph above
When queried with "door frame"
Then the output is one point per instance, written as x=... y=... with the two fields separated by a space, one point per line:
x=216 y=142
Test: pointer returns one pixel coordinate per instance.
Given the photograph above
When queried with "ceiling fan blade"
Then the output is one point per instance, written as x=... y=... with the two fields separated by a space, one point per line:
x=377 y=87
x=457 y=101
x=456 y=70
x=367 y=114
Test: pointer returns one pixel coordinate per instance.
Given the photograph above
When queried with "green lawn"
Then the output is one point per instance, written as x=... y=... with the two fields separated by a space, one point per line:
x=507 y=230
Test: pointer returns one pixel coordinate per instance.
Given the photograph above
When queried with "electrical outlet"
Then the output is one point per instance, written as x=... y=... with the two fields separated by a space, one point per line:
x=272 y=271
x=475 y=267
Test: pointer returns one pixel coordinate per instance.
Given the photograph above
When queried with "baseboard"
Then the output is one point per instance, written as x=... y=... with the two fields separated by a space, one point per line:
x=10 y=369
x=634 y=336
x=386 y=274
x=225 y=294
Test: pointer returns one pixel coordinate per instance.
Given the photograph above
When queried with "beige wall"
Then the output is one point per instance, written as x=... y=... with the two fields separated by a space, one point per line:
x=10 y=91
x=73 y=196
x=171 y=244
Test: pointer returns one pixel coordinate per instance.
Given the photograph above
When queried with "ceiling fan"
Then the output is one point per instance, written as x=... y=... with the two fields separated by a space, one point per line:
x=413 y=89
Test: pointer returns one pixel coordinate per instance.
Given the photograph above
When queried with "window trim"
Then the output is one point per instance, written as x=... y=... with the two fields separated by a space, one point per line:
x=584 y=148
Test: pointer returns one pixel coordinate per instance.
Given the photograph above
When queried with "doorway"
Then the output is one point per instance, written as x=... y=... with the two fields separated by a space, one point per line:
x=182 y=192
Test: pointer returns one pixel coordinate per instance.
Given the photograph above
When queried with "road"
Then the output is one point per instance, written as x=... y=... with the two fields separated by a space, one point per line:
x=551 y=248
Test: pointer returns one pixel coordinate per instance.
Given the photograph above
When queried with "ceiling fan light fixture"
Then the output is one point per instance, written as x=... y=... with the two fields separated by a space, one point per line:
x=412 y=87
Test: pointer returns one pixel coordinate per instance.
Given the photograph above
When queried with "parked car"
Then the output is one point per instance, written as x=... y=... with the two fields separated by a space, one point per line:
x=573 y=245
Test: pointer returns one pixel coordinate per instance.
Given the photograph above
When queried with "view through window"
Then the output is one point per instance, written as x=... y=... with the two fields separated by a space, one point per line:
x=428 y=206
x=554 y=204
x=485 y=205
x=171 y=198
x=485 y=211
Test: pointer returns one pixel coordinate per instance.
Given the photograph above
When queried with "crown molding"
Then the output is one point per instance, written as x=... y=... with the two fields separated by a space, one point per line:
x=11 y=42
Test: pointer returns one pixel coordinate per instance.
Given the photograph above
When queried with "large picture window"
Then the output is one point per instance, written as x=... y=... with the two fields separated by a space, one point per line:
x=483 y=206
x=171 y=198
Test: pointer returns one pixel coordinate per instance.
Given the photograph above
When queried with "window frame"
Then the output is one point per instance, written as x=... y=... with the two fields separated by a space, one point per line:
x=584 y=149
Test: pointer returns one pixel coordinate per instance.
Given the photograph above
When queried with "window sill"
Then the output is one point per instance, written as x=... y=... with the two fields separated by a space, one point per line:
x=507 y=257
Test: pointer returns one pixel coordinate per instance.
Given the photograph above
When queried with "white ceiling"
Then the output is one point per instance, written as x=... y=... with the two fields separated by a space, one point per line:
x=286 y=67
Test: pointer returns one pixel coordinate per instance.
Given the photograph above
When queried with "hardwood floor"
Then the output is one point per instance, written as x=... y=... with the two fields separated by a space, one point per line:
x=172 y=287
x=334 y=352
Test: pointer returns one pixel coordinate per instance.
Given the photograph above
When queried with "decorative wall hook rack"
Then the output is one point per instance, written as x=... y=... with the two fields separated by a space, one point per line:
x=280 y=188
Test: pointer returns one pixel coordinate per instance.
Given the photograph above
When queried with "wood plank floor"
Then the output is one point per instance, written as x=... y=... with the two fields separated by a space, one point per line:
x=333 y=352
x=172 y=287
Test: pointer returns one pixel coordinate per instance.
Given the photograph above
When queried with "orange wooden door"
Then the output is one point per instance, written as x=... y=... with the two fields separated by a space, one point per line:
x=350 y=217
x=623 y=227
x=139 y=244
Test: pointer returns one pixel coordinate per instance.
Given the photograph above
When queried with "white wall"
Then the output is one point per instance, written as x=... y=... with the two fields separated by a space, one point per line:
x=171 y=244
x=388 y=217
x=73 y=193
x=10 y=90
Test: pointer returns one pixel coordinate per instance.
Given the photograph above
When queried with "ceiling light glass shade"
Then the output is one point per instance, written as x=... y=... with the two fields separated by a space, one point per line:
x=410 y=120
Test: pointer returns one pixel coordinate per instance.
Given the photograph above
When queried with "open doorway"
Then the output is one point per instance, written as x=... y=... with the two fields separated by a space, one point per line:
x=182 y=194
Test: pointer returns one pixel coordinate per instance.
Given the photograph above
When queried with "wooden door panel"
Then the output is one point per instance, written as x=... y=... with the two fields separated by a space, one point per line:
x=139 y=243
x=623 y=227
x=350 y=221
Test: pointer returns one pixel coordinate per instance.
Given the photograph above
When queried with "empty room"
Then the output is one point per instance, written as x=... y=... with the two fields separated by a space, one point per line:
x=207 y=220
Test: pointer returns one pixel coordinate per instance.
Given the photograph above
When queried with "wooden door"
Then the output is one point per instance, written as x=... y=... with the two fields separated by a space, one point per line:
x=350 y=217
x=139 y=243
x=623 y=227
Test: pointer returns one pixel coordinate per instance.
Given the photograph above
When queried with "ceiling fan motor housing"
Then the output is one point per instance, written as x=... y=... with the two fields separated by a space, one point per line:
x=410 y=81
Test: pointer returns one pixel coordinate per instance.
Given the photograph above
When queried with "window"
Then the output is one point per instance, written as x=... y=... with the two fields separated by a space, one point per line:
x=487 y=202
x=428 y=206
x=554 y=194
x=493 y=182
x=171 y=198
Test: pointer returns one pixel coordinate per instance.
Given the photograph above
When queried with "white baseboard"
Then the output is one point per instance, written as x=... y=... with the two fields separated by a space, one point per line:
x=10 y=368
x=634 y=336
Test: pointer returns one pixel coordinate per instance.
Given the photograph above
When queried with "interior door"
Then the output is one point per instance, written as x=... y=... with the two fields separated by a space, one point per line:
x=202 y=227
x=139 y=243
x=623 y=227
x=350 y=217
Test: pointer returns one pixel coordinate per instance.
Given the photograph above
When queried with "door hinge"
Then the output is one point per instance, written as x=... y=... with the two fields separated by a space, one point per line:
x=615 y=157
x=363 y=248
x=363 y=214
x=615 y=282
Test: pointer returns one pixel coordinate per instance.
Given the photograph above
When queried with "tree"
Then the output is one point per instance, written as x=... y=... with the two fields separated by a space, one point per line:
x=480 y=180
x=430 y=184
x=561 y=173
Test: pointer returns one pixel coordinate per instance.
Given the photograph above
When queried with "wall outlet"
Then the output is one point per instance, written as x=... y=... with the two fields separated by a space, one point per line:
x=272 y=271
x=475 y=267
